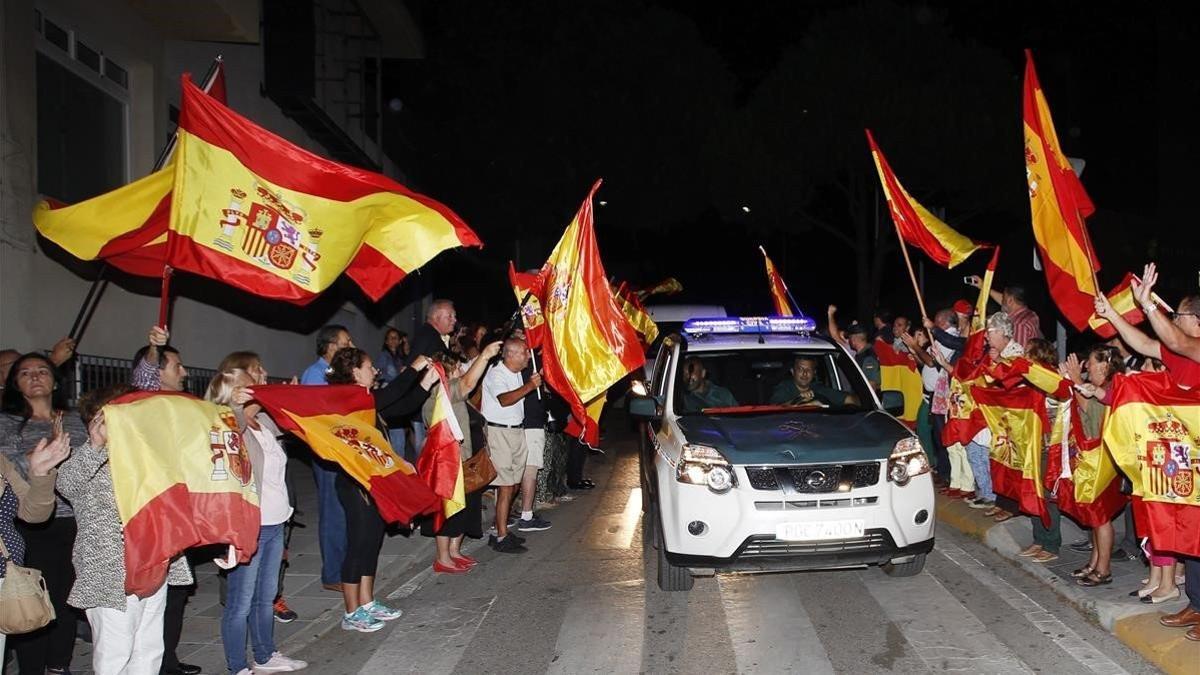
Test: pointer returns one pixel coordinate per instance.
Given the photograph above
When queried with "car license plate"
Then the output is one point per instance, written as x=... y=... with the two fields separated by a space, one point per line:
x=828 y=529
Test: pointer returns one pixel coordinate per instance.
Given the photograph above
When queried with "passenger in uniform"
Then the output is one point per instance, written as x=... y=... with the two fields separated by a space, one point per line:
x=701 y=392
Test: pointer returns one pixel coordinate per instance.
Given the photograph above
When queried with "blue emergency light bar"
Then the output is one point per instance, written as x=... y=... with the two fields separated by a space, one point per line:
x=753 y=325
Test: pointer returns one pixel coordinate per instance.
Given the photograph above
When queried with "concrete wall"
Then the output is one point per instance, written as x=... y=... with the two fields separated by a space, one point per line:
x=41 y=289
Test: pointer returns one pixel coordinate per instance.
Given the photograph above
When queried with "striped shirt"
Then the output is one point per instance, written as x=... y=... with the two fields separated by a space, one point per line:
x=1026 y=326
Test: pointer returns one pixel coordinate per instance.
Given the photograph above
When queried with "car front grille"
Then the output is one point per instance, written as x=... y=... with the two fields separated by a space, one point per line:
x=813 y=479
x=760 y=547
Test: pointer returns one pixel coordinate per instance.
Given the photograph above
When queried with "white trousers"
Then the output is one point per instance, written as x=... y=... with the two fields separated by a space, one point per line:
x=129 y=642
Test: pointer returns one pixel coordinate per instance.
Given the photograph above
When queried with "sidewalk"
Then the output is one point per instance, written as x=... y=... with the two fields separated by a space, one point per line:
x=320 y=610
x=1132 y=622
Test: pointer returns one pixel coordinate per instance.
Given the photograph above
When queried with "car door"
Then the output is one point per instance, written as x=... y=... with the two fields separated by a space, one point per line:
x=650 y=430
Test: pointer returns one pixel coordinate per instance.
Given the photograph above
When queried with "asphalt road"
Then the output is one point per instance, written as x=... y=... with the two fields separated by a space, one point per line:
x=583 y=600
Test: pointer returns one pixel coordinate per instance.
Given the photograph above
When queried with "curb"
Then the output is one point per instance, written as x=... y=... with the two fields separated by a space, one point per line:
x=1136 y=627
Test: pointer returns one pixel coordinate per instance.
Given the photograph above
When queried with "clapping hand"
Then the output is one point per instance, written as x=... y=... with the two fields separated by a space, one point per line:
x=1144 y=291
x=49 y=453
x=1071 y=369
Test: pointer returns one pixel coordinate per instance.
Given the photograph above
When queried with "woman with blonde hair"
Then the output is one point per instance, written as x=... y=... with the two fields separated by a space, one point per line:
x=250 y=596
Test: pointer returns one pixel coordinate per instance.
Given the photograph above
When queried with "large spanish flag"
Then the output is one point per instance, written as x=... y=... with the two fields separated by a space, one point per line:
x=916 y=224
x=127 y=227
x=638 y=317
x=1080 y=473
x=779 y=292
x=1153 y=433
x=338 y=423
x=526 y=288
x=1059 y=206
x=1016 y=418
x=257 y=212
x=898 y=372
x=590 y=344
x=181 y=478
x=439 y=464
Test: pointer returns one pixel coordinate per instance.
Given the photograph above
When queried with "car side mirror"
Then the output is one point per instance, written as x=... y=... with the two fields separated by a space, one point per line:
x=893 y=401
x=644 y=408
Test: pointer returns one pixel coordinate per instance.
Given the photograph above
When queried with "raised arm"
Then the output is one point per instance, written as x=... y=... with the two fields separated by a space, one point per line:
x=1136 y=339
x=1170 y=334
x=468 y=382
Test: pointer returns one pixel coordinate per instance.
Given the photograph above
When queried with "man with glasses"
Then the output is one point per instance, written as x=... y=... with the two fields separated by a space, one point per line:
x=1178 y=347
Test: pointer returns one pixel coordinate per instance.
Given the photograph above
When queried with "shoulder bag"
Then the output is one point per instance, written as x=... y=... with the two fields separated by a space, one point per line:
x=24 y=601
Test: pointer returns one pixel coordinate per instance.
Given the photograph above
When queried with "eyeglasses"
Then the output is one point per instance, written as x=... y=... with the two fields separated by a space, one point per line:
x=1176 y=315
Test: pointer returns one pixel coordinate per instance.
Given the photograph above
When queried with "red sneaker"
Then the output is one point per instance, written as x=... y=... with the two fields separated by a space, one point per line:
x=439 y=568
x=953 y=493
x=464 y=560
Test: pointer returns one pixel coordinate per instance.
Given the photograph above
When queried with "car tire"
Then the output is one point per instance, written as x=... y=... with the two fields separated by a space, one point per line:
x=909 y=569
x=670 y=577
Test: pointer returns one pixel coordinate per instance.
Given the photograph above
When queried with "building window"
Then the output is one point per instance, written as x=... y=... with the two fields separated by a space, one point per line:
x=81 y=134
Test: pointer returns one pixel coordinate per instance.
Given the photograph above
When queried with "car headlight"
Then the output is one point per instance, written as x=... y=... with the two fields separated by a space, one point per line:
x=702 y=465
x=907 y=461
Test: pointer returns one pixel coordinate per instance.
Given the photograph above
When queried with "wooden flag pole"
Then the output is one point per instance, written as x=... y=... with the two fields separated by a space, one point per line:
x=911 y=274
x=164 y=300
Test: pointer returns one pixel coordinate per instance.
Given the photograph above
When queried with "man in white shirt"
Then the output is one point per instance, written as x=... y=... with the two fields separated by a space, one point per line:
x=503 y=406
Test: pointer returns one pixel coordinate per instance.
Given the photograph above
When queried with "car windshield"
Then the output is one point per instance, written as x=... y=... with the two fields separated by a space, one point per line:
x=764 y=381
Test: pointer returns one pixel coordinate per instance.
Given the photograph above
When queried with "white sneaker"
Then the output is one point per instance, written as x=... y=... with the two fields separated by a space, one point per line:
x=245 y=671
x=278 y=663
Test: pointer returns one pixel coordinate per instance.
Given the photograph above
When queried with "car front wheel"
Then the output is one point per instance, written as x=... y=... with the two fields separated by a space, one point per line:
x=670 y=577
x=908 y=569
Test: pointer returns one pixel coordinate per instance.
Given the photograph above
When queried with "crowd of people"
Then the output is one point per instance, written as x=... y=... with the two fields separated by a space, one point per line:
x=964 y=471
x=58 y=511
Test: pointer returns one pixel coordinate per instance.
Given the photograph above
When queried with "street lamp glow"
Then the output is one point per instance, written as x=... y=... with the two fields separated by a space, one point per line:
x=745 y=209
x=603 y=203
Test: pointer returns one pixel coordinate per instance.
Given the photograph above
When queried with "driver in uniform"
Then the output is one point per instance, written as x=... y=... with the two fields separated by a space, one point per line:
x=801 y=389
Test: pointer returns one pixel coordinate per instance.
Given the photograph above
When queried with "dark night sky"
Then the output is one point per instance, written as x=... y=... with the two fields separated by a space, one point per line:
x=690 y=110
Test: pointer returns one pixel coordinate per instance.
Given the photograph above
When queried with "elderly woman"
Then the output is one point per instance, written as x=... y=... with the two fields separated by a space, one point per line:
x=33 y=411
x=31 y=500
x=449 y=558
x=127 y=631
x=364 y=526
x=250 y=596
x=1001 y=347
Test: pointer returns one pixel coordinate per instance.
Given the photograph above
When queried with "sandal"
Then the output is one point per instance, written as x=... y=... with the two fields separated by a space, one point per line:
x=1003 y=516
x=1082 y=572
x=1094 y=579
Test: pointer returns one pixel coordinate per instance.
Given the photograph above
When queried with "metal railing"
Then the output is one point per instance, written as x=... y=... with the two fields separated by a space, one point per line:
x=94 y=372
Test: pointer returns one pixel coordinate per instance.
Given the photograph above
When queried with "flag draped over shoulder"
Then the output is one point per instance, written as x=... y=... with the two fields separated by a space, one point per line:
x=181 y=478
x=266 y=216
x=1059 y=205
x=638 y=317
x=1016 y=418
x=440 y=465
x=1122 y=301
x=526 y=288
x=779 y=292
x=898 y=372
x=916 y=224
x=127 y=227
x=338 y=423
x=1153 y=433
x=1080 y=473
x=590 y=344
x=964 y=420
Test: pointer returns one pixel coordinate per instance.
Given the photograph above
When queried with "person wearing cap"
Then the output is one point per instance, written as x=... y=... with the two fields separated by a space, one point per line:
x=857 y=339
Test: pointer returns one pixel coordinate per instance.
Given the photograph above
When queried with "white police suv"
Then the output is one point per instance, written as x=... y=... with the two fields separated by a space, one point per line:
x=765 y=449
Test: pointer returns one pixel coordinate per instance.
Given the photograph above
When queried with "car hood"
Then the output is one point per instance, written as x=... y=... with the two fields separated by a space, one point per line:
x=801 y=437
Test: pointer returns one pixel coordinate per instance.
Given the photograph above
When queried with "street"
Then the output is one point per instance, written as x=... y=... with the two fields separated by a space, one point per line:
x=583 y=599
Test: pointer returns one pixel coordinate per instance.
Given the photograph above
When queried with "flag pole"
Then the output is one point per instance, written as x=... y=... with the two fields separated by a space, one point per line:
x=164 y=300
x=911 y=274
x=511 y=325
x=163 y=156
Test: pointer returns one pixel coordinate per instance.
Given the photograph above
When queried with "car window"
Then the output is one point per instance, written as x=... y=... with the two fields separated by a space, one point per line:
x=766 y=380
x=659 y=381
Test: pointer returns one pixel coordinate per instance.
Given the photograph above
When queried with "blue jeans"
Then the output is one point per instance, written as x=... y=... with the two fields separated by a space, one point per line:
x=250 y=597
x=419 y=431
x=331 y=528
x=396 y=437
x=977 y=456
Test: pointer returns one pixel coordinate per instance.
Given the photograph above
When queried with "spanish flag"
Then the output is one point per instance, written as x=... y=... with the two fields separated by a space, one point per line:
x=525 y=286
x=338 y=423
x=898 y=372
x=127 y=227
x=1153 y=433
x=1122 y=300
x=779 y=292
x=1016 y=418
x=1080 y=473
x=439 y=464
x=181 y=478
x=638 y=317
x=964 y=420
x=1022 y=370
x=257 y=212
x=1059 y=206
x=590 y=344
x=916 y=224
x=668 y=286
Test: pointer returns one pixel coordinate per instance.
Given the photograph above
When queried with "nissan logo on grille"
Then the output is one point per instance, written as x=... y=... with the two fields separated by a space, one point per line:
x=815 y=479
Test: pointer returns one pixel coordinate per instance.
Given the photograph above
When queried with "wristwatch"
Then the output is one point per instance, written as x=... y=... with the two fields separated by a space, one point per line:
x=1150 y=308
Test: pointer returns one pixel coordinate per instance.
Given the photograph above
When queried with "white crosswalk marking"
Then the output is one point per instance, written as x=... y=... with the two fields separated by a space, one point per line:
x=770 y=631
x=941 y=631
x=433 y=639
x=1067 y=639
x=602 y=631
